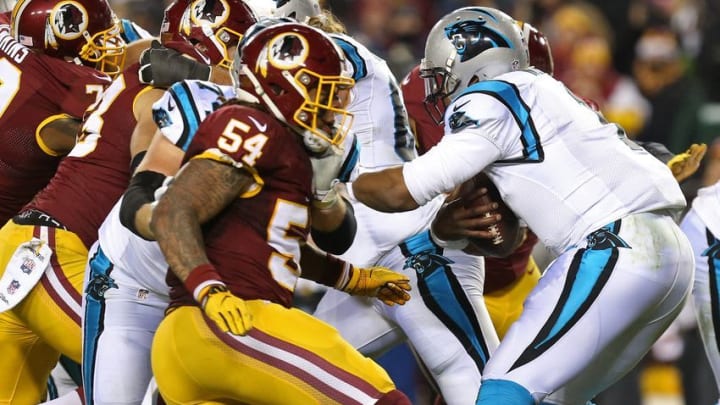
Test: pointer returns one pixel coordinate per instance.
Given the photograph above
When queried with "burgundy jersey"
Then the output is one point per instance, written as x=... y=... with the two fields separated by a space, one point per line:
x=427 y=132
x=501 y=272
x=96 y=172
x=5 y=18
x=255 y=242
x=35 y=89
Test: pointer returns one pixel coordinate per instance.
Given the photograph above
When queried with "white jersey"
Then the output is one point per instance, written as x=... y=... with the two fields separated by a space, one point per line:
x=381 y=123
x=702 y=226
x=558 y=165
x=707 y=206
x=178 y=114
x=385 y=139
x=132 y=32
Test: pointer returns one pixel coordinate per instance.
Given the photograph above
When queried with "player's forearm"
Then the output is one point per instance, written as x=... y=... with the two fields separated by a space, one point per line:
x=177 y=230
x=383 y=191
x=202 y=189
x=142 y=221
x=320 y=267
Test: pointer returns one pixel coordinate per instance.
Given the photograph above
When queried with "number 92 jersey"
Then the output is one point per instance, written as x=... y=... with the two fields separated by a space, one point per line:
x=35 y=90
x=254 y=242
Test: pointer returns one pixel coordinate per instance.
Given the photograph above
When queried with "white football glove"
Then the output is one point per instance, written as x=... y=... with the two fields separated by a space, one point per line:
x=326 y=169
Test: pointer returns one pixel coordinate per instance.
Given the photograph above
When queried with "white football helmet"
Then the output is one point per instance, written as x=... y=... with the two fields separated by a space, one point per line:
x=7 y=5
x=468 y=45
x=262 y=8
x=298 y=10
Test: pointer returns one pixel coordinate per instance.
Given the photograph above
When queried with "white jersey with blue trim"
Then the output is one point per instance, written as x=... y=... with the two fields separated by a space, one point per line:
x=381 y=123
x=707 y=206
x=178 y=114
x=132 y=32
x=383 y=132
x=182 y=108
x=559 y=166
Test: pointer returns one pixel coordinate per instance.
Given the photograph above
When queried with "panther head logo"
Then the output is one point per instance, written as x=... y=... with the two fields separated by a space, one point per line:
x=98 y=285
x=472 y=37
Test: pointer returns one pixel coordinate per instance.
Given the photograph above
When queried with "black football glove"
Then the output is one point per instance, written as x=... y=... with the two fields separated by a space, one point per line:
x=162 y=67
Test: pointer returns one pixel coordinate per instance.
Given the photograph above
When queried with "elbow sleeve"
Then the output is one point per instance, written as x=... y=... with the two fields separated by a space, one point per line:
x=338 y=241
x=140 y=192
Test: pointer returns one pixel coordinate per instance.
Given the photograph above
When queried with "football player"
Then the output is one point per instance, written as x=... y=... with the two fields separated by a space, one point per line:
x=248 y=181
x=508 y=280
x=446 y=318
x=49 y=78
x=51 y=70
x=214 y=28
x=126 y=260
x=539 y=144
x=702 y=226
x=62 y=221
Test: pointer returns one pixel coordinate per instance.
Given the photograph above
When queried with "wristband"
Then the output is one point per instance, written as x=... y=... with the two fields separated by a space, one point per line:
x=345 y=277
x=350 y=192
x=201 y=277
x=448 y=244
x=328 y=201
x=340 y=267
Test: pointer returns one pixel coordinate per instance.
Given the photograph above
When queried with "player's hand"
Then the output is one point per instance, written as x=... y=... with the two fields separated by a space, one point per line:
x=228 y=312
x=466 y=214
x=326 y=169
x=388 y=286
x=162 y=67
x=684 y=165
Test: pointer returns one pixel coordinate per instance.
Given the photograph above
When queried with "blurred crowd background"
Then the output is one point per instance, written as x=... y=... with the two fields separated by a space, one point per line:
x=653 y=66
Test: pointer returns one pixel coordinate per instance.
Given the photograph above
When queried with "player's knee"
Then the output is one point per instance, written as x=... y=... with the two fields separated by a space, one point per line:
x=394 y=397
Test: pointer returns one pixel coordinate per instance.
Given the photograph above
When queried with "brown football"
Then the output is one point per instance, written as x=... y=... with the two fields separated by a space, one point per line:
x=508 y=233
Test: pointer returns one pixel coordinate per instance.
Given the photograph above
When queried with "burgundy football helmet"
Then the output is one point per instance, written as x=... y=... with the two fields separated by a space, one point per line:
x=300 y=75
x=84 y=29
x=213 y=26
x=170 y=27
x=538 y=47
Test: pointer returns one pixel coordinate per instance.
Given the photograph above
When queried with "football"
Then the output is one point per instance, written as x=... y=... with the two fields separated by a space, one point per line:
x=508 y=232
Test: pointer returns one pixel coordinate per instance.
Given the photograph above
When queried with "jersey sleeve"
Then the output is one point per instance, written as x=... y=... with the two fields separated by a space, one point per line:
x=132 y=32
x=184 y=105
x=473 y=140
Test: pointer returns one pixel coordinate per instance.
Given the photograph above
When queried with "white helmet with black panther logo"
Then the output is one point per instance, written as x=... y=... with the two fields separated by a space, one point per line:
x=298 y=10
x=468 y=45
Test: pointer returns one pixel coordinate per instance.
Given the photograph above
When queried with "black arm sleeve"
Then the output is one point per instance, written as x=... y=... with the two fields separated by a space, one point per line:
x=336 y=242
x=140 y=192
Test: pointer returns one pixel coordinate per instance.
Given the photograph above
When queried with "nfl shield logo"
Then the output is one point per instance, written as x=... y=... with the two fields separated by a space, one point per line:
x=28 y=265
x=14 y=285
